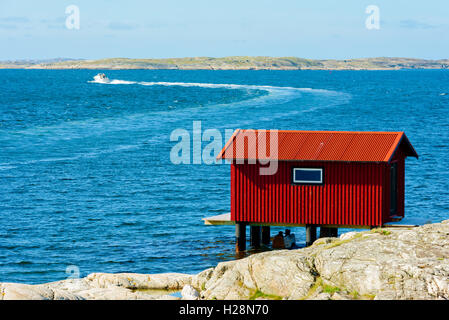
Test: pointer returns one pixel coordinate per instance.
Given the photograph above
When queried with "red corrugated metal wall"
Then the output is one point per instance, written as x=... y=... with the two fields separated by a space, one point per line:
x=352 y=194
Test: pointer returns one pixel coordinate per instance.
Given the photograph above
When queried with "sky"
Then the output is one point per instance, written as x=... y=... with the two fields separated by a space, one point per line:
x=317 y=29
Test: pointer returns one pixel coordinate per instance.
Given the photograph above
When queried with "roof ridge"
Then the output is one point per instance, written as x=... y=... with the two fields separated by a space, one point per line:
x=327 y=131
x=307 y=145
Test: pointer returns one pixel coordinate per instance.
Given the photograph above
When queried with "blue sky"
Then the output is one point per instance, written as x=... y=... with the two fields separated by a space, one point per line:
x=318 y=29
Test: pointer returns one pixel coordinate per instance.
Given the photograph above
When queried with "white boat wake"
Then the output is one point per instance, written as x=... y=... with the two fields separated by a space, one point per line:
x=161 y=120
x=276 y=94
x=212 y=85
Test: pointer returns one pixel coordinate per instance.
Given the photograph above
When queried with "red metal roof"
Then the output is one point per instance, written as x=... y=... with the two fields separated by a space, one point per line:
x=316 y=145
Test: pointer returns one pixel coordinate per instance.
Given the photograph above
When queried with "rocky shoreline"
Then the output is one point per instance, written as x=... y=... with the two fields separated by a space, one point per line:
x=387 y=263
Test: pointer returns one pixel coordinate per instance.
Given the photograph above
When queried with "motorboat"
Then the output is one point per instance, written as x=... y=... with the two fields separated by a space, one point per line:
x=101 y=77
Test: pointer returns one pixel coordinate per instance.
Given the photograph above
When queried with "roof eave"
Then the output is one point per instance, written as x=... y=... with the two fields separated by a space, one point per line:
x=222 y=153
x=399 y=140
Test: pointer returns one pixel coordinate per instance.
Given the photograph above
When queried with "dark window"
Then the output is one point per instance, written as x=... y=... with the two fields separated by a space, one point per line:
x=308 y=175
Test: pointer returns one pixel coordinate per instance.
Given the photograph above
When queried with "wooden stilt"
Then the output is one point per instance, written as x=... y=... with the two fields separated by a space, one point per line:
x=325 y=232
x=310 y=234
x=240 y=236
x=334 y=232
x=255 y=236
x=266 y=235
x=328 y=232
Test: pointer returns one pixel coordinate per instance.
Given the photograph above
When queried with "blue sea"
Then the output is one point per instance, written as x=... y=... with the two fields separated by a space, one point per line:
x=86 y=181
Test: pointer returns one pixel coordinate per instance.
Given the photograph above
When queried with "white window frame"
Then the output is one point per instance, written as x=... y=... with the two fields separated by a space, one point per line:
x=308 y=181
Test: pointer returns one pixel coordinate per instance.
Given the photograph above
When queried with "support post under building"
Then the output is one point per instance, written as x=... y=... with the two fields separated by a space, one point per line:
x=334 y=232
x=255 y=236
x=266 y=235
x=310 y=234
x=240 y=236
x=326 y=232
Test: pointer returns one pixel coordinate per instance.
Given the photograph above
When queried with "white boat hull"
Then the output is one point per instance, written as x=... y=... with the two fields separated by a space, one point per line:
x=101 y=79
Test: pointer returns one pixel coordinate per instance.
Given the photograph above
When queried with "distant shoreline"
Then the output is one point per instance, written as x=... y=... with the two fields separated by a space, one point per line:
x=228 y=63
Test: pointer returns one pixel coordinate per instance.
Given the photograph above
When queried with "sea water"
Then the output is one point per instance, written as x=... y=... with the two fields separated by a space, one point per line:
x=86 y=181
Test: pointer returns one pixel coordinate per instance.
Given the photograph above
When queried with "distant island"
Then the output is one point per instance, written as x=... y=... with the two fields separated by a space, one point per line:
x=230 y=63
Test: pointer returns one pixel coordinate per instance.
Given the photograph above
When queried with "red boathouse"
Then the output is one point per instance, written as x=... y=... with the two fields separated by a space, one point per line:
x=325 y=179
